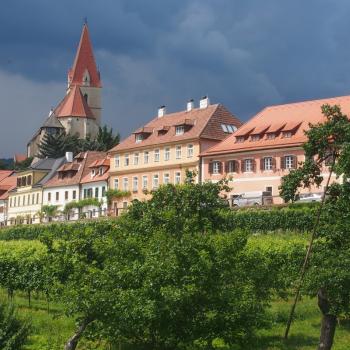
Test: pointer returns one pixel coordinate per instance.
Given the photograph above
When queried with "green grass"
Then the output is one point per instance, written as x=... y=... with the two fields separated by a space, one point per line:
x=51 y=331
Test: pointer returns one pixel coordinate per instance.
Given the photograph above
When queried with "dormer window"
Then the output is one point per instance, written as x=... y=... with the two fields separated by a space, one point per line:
x=138 y=138
x=228 y=128
x=271 y=136
x=255 y=138
x=240 y=139
x=93 y=173
x=287 y=134
x=179 y=129
x=100 y=171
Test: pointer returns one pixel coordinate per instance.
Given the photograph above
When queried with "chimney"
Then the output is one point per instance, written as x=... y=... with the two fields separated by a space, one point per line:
x=161 y=111
x=69 y=157
x=204 y=102
x=190 y=105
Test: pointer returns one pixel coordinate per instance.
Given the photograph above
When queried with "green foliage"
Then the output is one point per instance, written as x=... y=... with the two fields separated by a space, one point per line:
x=106 y=140
x=24 y=164
x=13 y=331
x=82 y=203
x=114 y=194
x=49 y=211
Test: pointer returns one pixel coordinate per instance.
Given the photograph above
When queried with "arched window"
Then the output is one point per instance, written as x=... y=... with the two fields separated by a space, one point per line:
x=29 y=180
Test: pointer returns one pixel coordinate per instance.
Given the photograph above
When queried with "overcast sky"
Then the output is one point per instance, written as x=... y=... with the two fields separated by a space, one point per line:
x=245 y=54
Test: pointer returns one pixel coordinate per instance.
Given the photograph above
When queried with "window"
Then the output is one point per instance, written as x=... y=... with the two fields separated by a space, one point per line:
x=29 y=180
x=125 y=184
x=57 y=196
x=271 y=136
x=116 y=184
x=287 y=134
x=269 y=189
x=166 y=153
x=144 y=182
x=155 y=181
x=100 y=171
x=289 y=162
x=240 y=139
x=156 y=155
x=92 y=172
x=37 y=198
x=135 y=183
x=10 y=202
x=179 y=130
x=146 y=157
x=15 y=201
x=138 y=138
x=166 y=178
x=96 y=192
x=255 y=138
x=177 y=178
x=267 y=163
x=24 y=200
x=74 y=195
x=103 y=191
x=125 y=205
x=189 y=151
x=228 y=128
x=117 y=161
x=231 y=166
x=28 y=199
x=216 y=167
x=85 y=193
x=136 y=158
x=49 y=197
x=66 y=195
x=248 y=165
x=126 y=159
x=178 y=152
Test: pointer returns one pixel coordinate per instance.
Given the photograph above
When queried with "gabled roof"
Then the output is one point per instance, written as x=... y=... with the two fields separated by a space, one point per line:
x=74 y=105
x=7 y=184
x=52 y=122
x=84 y=61
x=288 y=117
x=205 y=123
x=104 y=162
x=80 y=169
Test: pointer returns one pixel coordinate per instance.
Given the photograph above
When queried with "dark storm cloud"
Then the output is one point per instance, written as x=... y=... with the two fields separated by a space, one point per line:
x=244 y=54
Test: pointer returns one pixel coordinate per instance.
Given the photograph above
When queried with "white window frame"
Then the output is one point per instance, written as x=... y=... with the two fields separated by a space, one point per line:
x=138 y=138
x=157 y=155
x=190 y=151
x=125 y=184
x=178 y=151
x=136 y=158
x=216 y=167
x=116 y=183
x=146 y=157
x=179 y=130
x=135 y=184
x=231 y=166
x=166 y=178
x=289 y=164
x=167 y=153
x=268 y=163
x=155 y=181
x=177 y=178
x=117 y=161
x=144 y=182
x=287 y=134
x=255 y=138
x=126 y=159
x=248 y=169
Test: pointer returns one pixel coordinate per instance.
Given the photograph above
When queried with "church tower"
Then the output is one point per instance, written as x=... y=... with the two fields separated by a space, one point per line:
x=80 y=110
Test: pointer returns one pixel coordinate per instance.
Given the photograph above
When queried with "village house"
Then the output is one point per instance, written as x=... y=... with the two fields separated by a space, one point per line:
x=266 y=148
x=8 y=181
x=161 y=151
x=65 y=187
x=25 y=200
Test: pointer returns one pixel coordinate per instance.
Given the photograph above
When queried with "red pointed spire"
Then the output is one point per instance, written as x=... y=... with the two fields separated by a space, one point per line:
x=84 y=61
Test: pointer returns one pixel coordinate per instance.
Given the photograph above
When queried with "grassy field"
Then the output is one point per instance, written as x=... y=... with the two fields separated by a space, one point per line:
x=50 y=331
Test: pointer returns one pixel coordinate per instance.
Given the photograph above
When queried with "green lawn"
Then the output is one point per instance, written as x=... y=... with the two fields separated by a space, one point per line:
x=50 y=331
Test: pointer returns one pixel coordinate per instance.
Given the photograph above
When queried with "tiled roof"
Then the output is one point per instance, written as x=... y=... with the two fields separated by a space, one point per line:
x=18 y=158
x=84 y=60
x=287 y=117
x=97 y=177
x=7 y=184
x=52 y=122
x=74 y=105
x=206 y=124
x=43 y=164
x=4 y=174
x=82 y=170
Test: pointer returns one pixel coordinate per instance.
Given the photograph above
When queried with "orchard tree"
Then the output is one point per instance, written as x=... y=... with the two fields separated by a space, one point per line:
x=326 y=271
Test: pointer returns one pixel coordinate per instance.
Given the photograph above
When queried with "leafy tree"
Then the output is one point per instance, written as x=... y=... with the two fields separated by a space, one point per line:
x=13 y=331
x=50 y=211
x=24 y=164
x=328 y=273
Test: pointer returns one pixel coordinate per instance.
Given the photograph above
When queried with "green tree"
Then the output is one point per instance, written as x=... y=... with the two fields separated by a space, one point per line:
x=106 y=140
x=13 y=331
x=50 y=211
x=326 y=270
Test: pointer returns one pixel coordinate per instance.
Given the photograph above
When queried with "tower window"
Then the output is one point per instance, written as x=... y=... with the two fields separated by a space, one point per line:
x=86 y=97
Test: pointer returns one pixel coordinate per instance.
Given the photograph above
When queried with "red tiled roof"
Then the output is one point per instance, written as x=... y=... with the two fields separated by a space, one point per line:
x=74 y=105
x=89 y=157
x=4 y=174
x=84 y=60
x=7 y=184
x=276 y=127
x=206 y=124
x=18 y=158
x=260 y=129
x=102 y=162
x=294 y=115
x=97 y=177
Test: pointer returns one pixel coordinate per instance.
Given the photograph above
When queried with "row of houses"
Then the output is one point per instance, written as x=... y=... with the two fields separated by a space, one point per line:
x=207 y=139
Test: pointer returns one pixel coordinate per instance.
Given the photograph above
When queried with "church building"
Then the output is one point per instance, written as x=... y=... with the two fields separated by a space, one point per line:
x=79 y=112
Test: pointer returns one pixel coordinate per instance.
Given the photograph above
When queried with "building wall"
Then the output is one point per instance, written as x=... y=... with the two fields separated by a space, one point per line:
x=24 y=203
x=94 y=211
x=94 y=101
x=80 y=126
x=58 y=195
x=3 y=212
x=258 y=180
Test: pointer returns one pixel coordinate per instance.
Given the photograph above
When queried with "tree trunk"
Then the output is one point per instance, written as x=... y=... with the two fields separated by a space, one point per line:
x=73 y=341
x=328 y=324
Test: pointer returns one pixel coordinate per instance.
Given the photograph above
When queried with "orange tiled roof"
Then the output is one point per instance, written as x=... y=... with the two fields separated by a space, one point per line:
x=7 y=184
x=287 y=117
x=4 y=174
x=83 y=170
x=102 y=162
x=206 y=124
x=84 y=60
x=18 y=158
x=74 y=105
x=105 y=162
